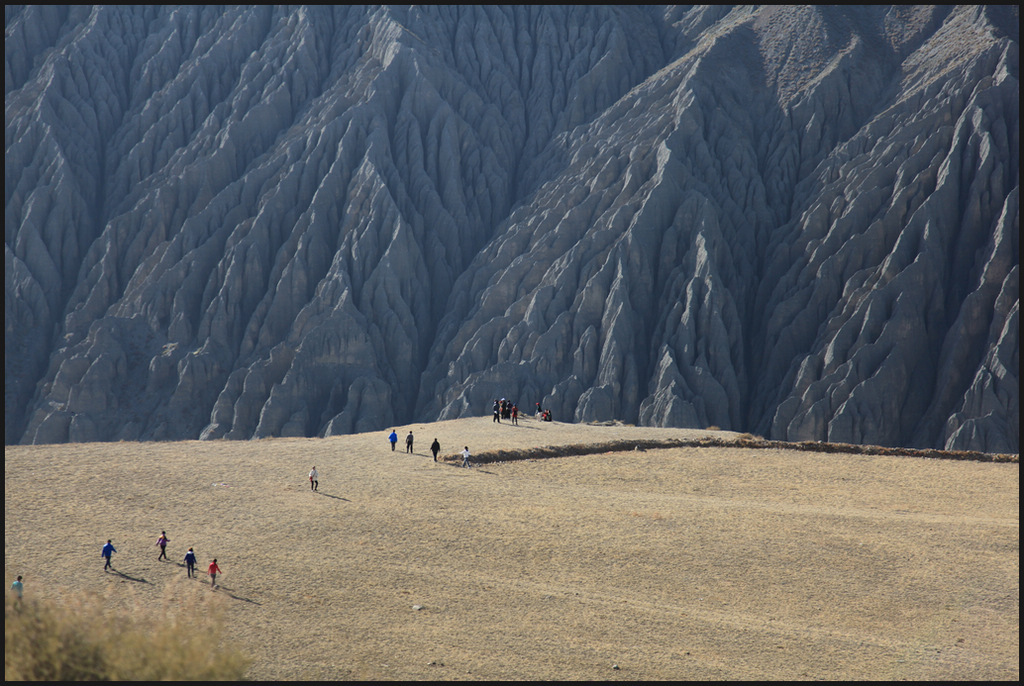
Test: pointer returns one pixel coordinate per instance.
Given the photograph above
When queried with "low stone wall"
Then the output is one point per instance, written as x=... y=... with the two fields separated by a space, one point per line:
x=752 y=443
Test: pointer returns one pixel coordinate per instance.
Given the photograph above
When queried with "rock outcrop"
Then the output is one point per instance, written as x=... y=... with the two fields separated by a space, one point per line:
x=801 y=222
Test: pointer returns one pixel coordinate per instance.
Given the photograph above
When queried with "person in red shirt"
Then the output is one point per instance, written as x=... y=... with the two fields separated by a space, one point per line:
x=213 y=571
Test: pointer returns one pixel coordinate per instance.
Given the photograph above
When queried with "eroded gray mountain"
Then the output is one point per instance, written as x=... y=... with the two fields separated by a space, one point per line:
x=801 y=222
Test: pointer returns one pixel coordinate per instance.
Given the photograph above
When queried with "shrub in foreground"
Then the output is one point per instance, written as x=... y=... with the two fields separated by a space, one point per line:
x=89 y=640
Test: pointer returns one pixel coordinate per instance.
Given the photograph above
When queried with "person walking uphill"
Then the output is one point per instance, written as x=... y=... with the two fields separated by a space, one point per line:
x=435 y=448
x=465 y=457
x=394 y=439
x=213 y=570
x=162 y=543
x=314 y=479
x=408 y=443
x=190 y=563
x=108 y=550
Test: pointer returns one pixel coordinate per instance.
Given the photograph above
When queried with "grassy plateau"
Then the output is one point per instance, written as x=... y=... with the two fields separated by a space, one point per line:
x=690 y=555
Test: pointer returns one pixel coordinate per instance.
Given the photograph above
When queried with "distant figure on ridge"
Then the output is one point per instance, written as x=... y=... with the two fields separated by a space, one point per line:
x=435 y=448
x=408 y=443
x=108 y=550
x=162 y=543
x=394 y=439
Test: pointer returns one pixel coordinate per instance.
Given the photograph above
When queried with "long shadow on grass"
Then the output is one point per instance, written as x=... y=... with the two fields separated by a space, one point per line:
x=457 y=464
x=336 y=497
x=232 y=595
x=128 y=577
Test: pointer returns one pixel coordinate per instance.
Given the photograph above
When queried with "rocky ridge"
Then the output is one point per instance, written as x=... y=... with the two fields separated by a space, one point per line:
x=235 y=223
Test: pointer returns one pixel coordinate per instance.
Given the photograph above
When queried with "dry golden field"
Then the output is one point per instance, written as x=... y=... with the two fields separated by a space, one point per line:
x=683 y=563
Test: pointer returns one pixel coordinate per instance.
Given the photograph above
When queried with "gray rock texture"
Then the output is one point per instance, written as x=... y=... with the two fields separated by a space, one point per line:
x=801 y=222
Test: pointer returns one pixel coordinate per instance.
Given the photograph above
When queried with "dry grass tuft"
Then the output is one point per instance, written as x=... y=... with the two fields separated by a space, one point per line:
x=90 y=639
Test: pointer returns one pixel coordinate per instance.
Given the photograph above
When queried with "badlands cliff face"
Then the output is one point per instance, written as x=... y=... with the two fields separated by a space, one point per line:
x=799 y=222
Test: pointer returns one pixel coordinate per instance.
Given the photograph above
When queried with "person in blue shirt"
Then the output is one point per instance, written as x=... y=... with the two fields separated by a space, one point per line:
x=17 y=588
x=190 y=563
x=394 y=439
x=108 y=550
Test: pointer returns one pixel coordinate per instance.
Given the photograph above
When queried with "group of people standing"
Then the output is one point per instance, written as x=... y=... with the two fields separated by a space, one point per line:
x=190 y=558
x=506 y=409
x=543 y=415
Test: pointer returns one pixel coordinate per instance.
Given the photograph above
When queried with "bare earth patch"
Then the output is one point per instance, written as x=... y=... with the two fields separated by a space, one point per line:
x=693 y=562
